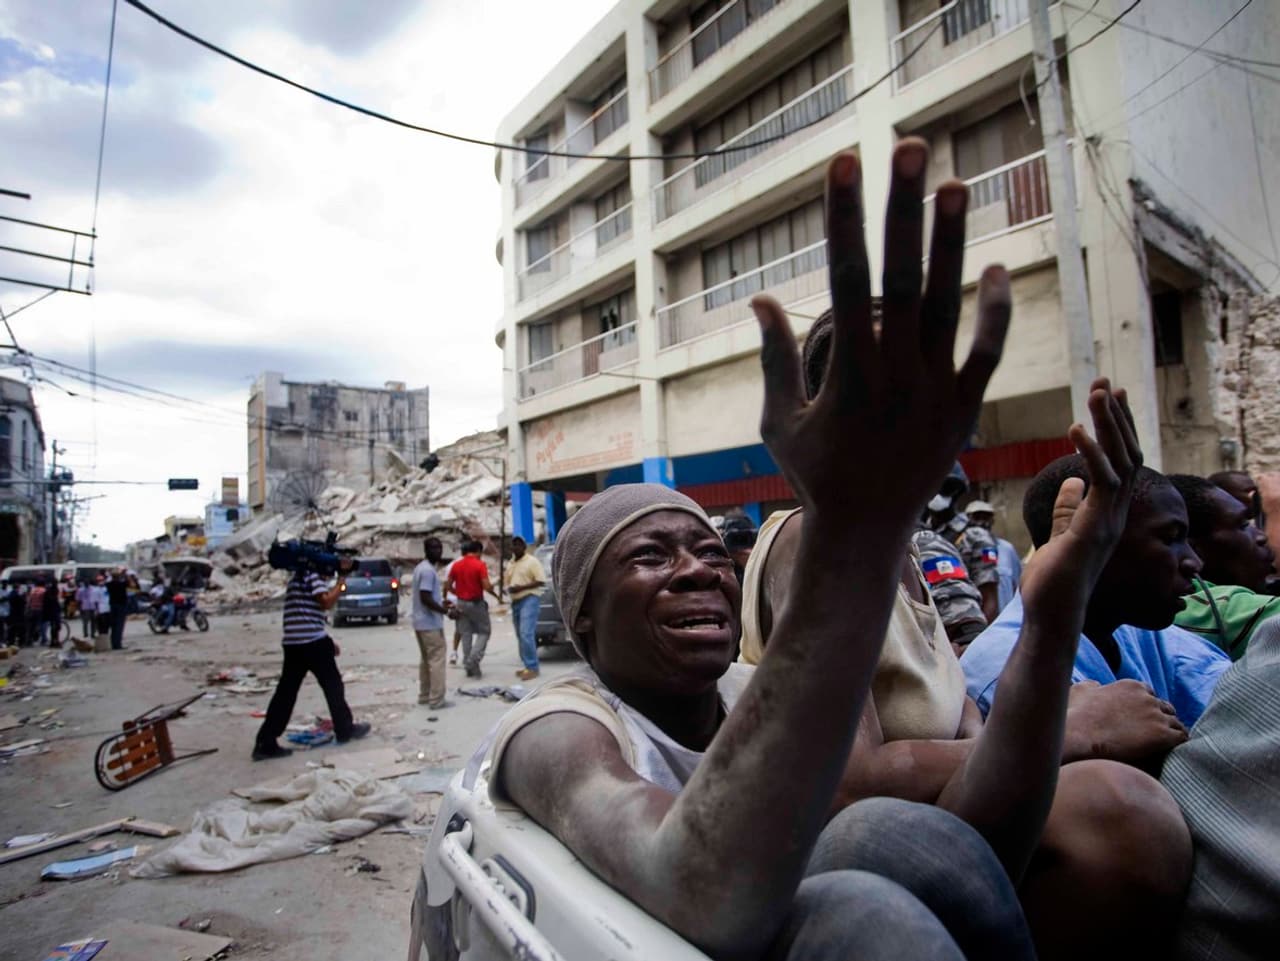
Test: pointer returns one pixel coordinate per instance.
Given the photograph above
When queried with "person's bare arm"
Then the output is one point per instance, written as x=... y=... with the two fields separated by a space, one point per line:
x=1269 y=499
x=990 y=601
x=1006 y=786
x=484 y=582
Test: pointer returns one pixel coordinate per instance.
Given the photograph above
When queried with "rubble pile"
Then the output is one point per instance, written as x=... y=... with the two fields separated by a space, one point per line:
x=458 y=500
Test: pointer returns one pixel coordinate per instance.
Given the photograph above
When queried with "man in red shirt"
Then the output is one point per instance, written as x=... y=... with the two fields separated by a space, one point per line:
x=468 y=580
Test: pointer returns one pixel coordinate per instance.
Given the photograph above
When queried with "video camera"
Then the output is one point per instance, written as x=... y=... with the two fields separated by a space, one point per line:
x=323 y=557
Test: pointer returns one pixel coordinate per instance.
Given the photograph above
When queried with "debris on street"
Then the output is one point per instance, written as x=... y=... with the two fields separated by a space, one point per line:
x=89 y=867
x=318 y=807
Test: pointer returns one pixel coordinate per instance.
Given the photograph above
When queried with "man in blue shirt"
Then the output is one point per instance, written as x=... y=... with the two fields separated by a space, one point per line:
x=1127 y=628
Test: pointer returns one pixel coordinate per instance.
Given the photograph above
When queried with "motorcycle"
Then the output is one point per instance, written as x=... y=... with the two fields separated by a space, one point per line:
x=184 y=606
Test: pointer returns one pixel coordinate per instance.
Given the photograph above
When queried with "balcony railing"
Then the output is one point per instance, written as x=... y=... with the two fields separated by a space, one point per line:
x=581 y=139
x=580 y=249
x=792 y=278
x=787 y=126
x=1005 y=199
x=678 y=63
x=604 y=352
x=951 y=32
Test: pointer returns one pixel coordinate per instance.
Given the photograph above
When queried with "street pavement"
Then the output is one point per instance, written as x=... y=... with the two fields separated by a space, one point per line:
x=316 y=907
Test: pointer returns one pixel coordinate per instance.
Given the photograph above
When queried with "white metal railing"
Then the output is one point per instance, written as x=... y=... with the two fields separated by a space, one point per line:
x=1007 y=198
x=601 y=353
x=791 y=278
x=950 y=32
x=788 y=125
x=581 y=248
x=676 y=65
x=581 y=139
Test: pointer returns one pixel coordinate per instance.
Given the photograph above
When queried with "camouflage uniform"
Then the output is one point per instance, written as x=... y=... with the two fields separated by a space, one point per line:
x=959 y=603
x=977 y=547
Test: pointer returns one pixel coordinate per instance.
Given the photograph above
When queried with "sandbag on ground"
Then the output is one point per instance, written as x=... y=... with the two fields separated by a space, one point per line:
x=321 y=806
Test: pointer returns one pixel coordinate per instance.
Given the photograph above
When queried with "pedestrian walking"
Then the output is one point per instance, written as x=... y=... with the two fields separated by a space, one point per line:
x=450 y=601
x=469 y=580
x=523 y=582
x=428 y=625
x=308 y=648
x=118 y=606
x=17 y=615
x=86 y=603
x=51 y=620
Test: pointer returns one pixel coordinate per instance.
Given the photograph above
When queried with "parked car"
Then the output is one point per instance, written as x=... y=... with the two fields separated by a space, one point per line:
x=371 y=591
x=551 y=630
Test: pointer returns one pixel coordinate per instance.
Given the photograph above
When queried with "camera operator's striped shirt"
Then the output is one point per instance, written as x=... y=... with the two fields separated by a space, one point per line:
x=303 y=615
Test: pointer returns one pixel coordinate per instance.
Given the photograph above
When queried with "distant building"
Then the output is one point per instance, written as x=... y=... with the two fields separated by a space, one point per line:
x=220 y=522
x=23 y=514
x=297 y=428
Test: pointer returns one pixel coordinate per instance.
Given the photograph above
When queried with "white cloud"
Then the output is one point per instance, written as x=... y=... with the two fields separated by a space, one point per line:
x=244 y=225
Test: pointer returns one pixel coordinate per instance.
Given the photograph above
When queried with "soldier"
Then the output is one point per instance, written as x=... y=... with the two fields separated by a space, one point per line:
x=975 y=544
x=958 y=601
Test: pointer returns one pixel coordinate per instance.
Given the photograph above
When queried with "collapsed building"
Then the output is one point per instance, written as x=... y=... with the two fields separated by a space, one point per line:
x=456 y=496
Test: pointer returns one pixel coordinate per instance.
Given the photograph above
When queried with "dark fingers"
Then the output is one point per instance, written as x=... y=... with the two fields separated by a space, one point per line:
x=1065 y=505
x=1101 y=475
x=1097 y=453
x=780 y=361
x=995 y=306
x=1107 y=417
x=852 y=339
x=1128 y=427
x=941 y=313
x=903 y=255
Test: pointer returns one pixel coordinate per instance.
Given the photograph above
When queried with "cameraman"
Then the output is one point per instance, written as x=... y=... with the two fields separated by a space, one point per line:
x=308 y=647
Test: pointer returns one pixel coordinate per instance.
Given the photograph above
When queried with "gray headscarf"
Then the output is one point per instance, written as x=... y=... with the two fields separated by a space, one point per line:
x=588 y=532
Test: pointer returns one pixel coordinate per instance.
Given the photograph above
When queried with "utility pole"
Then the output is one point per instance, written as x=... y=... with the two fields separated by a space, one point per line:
x=1073 y=290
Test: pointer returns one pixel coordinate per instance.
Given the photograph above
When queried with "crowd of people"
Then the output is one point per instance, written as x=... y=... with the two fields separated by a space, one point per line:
x=45 y=610
x=878 y=736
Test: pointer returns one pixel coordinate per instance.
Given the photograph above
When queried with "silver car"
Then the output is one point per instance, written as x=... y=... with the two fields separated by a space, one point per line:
x=371 y=591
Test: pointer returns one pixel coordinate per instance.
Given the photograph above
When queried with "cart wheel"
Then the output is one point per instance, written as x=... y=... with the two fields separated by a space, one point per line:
x=202 y=622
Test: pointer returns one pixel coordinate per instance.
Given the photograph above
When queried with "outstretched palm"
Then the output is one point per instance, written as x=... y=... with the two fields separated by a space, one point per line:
x=893 y=410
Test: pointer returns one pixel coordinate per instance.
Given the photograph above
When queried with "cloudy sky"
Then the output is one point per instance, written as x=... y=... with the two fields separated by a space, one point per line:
x=245 y=226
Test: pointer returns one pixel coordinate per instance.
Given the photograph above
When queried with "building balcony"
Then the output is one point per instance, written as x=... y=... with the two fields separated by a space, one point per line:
x=678 y=64
x=774 y=135
x=602 y=353
x=582 y=139
x=577 y=252
x=951 y=32
x=1003 y=200
x=798 y=276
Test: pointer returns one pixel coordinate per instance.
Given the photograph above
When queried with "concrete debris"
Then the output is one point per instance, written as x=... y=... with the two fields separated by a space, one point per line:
x=459 y=500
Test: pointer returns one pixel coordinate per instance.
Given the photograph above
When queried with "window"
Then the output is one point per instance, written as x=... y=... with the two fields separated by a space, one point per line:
x=541 y=341
x=351 y=416
x=744 y=255
x=537 y=166
x=6 y=448
x=538 y=242
x=613 y=315
x=766 y=102
x=731 y=18
x=26 y=450
x=1166 y=321
x=609 y=227
x=610 y=113
x=965 y=17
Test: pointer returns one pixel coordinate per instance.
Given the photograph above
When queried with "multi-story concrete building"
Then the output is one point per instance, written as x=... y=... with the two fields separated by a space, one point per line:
x=628 y=344
x=24 y=493
x=314 y=430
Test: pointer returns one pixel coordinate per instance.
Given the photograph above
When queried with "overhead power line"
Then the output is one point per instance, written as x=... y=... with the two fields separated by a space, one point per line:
x=514 y=148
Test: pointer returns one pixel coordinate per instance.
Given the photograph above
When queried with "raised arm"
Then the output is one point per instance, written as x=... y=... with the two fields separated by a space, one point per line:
x=720 y=862
x=1006 y=786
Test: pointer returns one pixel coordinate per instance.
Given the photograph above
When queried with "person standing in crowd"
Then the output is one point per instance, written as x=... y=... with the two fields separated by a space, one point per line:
x=17 y=615
x=450 y=601
x=428 y=625
x=118 y=605
x=1008 y=563
x=35 y=612
x=308 y=648
x=101 y=605
x=51 y=620
x=975 y=544
x=523 y=581
x=86 y=602
x=469 y=579
x=958 y=601
x=739 y=535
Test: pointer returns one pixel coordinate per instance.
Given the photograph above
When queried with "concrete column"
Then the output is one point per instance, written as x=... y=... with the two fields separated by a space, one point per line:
x=556 y=514
x=522 y=511
x=872 y=23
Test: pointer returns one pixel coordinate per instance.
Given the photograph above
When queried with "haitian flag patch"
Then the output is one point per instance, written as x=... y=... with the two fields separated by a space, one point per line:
x=943 y=568
x=990 y=555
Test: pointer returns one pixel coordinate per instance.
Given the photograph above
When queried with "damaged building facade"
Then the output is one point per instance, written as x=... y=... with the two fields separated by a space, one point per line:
x=24 y=520
x=331 y=429
x=627 y=338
